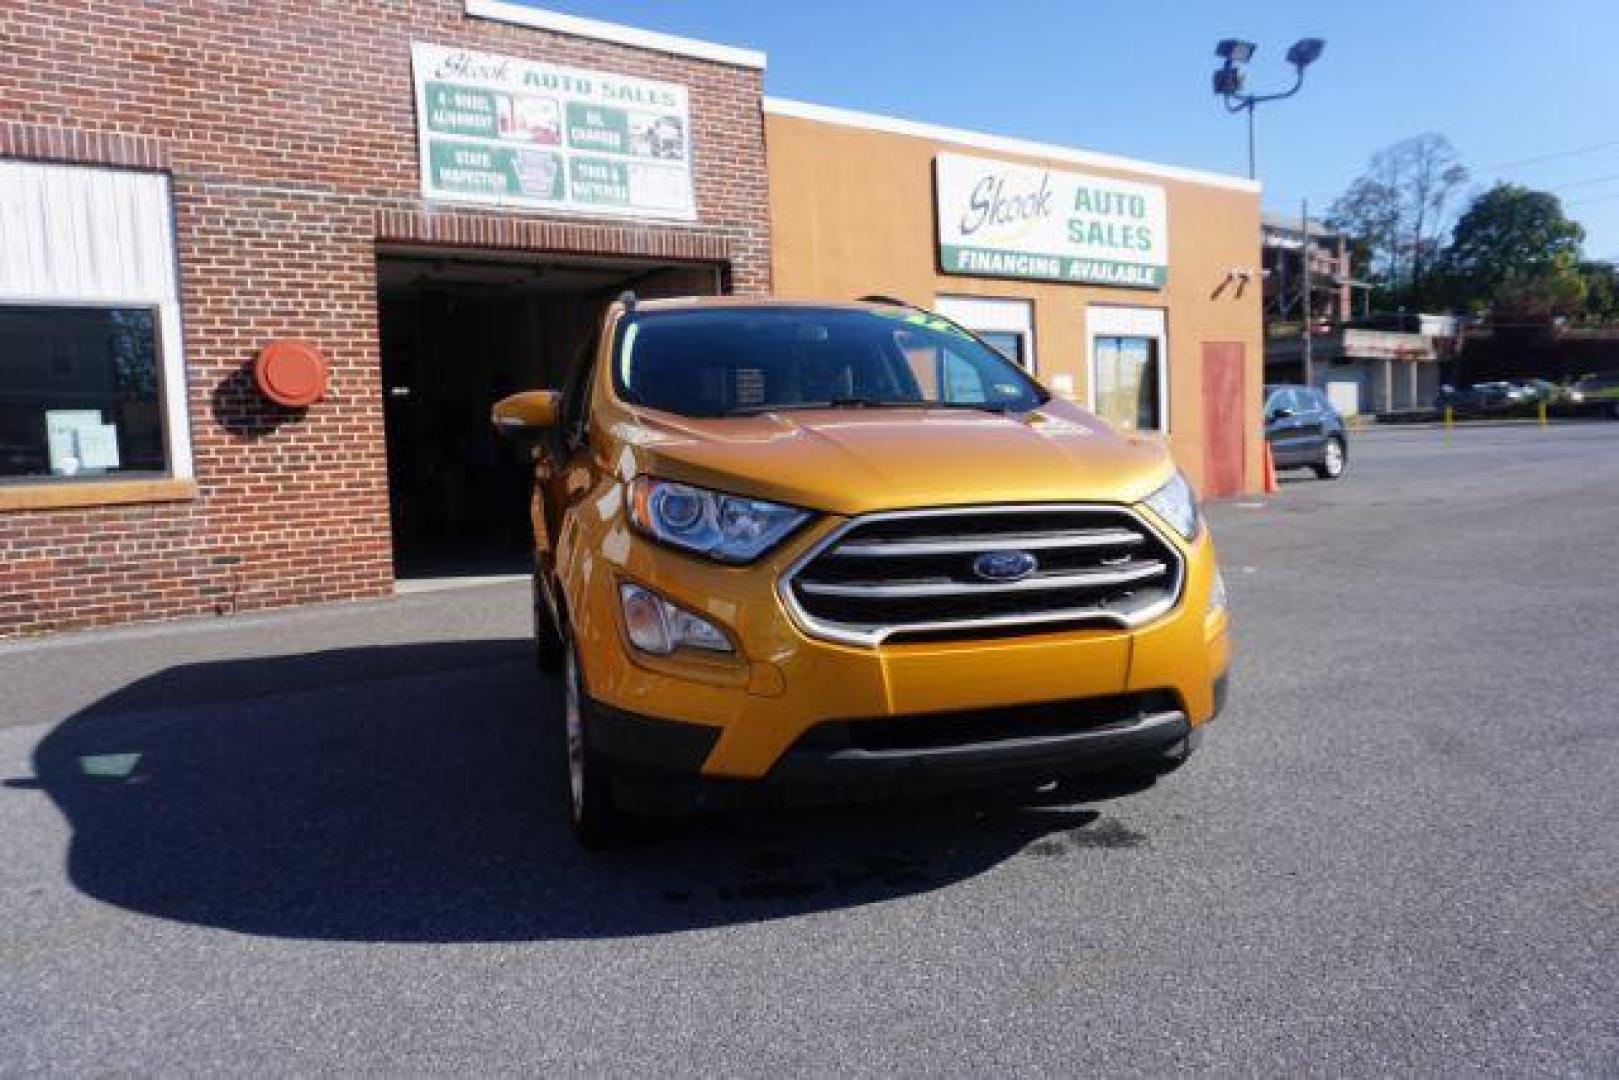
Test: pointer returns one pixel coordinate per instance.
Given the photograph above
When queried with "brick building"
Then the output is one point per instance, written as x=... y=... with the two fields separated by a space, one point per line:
x=433 y=198
x=272 y=147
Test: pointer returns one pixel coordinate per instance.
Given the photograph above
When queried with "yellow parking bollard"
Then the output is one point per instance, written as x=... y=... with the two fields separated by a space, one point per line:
x=1541 y=409
x=1450 y=421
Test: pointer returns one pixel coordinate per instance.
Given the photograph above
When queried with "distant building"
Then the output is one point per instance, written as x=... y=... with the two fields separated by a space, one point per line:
x=1364 y=362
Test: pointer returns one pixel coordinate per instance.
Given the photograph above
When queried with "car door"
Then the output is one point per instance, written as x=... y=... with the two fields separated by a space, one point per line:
x=1309 y=425
x=1281 y=430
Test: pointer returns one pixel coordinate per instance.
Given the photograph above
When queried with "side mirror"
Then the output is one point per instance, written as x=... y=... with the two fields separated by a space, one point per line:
x=528 y=415
x=1281 y=414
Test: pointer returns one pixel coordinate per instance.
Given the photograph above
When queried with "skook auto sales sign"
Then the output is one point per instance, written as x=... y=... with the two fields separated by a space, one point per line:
x=525 y=134
x=998 y=219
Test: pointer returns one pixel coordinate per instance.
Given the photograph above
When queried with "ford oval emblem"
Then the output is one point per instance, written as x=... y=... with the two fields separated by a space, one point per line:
x=1003 y=566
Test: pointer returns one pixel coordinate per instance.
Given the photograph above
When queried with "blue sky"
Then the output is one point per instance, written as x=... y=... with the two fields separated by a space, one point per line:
x=1510 y=82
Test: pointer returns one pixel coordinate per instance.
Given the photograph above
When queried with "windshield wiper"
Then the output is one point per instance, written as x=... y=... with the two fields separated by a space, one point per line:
x=865 y=403
x=832 y=403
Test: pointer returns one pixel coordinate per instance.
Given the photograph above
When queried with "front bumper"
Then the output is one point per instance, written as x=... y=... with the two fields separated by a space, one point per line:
x=745 y=715
x=657 y=764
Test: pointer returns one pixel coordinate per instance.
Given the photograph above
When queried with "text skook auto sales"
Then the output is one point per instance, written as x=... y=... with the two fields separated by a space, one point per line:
x=1102 y=218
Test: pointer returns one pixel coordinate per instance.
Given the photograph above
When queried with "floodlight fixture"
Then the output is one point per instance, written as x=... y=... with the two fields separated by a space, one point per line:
x=1305 y=51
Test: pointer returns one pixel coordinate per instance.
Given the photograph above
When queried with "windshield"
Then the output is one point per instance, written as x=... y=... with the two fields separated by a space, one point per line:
x=732 y=361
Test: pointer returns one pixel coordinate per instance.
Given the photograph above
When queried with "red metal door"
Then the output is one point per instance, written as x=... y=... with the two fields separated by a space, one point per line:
x=1224 y=401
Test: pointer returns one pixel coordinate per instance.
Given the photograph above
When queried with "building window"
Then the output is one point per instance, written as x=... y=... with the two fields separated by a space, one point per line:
x=1129 y=381
x=92 y=384
x=1005 y=325
x=80 y=392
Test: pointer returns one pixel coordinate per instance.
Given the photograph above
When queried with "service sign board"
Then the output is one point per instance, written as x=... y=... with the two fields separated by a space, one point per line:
x=529 y=135
x=998 y=219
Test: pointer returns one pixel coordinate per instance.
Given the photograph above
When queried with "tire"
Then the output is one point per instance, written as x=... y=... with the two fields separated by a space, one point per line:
x=548 y=647
x=593 y=816
x=1334 y=458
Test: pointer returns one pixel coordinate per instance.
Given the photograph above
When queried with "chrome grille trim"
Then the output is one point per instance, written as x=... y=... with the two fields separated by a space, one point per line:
x=1142 y=530
x=1034 y=584
x=878 y=549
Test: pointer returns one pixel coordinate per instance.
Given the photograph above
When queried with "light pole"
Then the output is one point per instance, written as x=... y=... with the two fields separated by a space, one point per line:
x=1229 y=78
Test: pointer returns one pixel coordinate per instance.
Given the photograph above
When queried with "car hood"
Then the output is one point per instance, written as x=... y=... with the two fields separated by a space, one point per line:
x=852 y=461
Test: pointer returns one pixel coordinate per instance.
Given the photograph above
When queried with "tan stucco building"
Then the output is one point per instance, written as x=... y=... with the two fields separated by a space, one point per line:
x=1132 y=288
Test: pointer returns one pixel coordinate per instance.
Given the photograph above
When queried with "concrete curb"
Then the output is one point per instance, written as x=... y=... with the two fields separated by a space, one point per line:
x=1461 y=425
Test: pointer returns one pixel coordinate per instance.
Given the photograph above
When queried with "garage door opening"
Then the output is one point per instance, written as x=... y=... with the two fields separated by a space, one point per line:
x=457 y=334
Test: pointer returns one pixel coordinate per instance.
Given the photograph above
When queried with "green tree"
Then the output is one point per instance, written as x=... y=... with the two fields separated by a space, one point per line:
x=1514 y=251
x=1539 y=294
x=1601 y=292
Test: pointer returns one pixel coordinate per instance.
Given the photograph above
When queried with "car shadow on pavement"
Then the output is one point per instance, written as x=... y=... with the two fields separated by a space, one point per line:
x=412 y=793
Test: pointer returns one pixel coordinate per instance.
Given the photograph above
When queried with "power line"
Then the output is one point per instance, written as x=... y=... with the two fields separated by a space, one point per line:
x=1588 y=182
x=1594 y=199
x=1557 y=155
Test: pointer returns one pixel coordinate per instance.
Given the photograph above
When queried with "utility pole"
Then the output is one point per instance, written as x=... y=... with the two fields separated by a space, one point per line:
x=1309 y=352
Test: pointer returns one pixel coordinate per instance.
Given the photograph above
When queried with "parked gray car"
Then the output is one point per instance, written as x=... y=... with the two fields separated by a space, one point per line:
x=1305 y=431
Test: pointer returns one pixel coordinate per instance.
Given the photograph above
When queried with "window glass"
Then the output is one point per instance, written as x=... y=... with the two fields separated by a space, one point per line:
x=79 y=392
x=719 y=361
x=963 y=382
x=1009 y=343
x=1127 y=382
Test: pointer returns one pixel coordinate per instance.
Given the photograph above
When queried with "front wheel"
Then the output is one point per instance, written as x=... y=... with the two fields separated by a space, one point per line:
x=593 y=815
x=1333 y=459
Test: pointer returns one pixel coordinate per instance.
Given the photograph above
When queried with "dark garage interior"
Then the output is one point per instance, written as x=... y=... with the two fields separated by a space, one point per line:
x=457 y=334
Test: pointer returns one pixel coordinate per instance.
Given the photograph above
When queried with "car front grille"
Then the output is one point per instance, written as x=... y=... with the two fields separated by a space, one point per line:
x=915 y=575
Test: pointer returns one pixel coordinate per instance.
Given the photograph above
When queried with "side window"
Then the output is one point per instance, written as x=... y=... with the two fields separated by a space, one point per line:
x=923 y=360
x=963 y=382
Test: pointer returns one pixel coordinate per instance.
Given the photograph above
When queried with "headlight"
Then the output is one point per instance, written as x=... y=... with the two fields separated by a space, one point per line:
x=730 y=528
x=1176 y=505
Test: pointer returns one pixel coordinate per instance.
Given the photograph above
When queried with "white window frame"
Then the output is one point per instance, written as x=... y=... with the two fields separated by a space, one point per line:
x=1114 y=320
x=1004 y=315
x=83 y=236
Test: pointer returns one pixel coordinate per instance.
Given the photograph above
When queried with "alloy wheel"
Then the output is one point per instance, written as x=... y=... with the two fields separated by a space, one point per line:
x=1334 y=459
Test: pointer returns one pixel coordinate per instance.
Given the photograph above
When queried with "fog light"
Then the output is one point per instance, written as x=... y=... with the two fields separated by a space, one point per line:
x=656 y=626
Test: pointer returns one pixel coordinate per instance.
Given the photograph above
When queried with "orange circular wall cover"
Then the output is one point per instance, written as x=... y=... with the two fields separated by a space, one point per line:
x=290 y=373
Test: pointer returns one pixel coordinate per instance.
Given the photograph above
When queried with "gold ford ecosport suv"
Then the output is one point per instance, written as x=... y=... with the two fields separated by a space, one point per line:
x=801 y=550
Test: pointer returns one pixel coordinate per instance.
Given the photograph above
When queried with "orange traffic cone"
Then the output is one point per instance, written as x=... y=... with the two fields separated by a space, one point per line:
x=1270 y=470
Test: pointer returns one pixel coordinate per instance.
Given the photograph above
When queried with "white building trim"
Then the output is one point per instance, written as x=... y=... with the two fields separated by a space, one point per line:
x=999 y=144
x=579 y=26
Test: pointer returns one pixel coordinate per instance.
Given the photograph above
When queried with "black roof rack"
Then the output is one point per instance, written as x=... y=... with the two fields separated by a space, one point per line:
x=878 y=298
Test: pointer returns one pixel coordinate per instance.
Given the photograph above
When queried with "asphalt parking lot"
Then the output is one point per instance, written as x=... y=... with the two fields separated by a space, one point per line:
x=327 y=840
